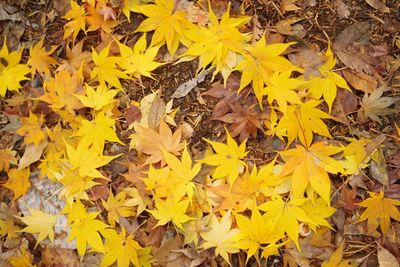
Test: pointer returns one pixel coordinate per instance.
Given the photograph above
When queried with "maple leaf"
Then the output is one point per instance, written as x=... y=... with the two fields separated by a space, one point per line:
x=138 y=60
x=244 y=121
x=260 y=62
x=281 y=88
x=11 y=72
x=99 y=98
x=117 y=206
x=182 y=173
x=168 y=24
x=75 y=59
x=227 y=159
x=120 y=248
x=84 y=227
x=74 y=185
x=62 y=90
x=98 y=16
x=311 y=166
x=7 y=157
x=40 y=60
x=317 y=210
x=374 y=105
x=24 y=258
x=336 y=259
x=286 y=216
x=129 y=6
x=31 y=129
x=218 y=43
x=86 y=160
x=105 y=68
x=158 y=179
x=18 y=182
x=221 y=236
x=172 y=209
x=379 y=211
x=97 y=131
x=244 y=191
x=151 y=142
x=40 y=223
x=302 y=120
x=77 y=22
x=255 y=232
x=327 y=85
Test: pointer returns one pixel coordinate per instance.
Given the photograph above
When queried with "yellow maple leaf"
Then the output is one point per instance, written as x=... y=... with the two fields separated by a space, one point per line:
x=318 y=211
x=7 y=157
x=40 y=223
x=227 y=159
x=182 y=173
x=218 y=43
x=40 y=60
x=336 y=259
x=326 y=85
x=286 y=216
x=62 y=90
x=18 y=182
x=95 y=132
x=129 y=6
x=379 y=211
x=301 y=121
x=172 y=209
x=31 y=129
x=281 y=88
x=255 y=232
x=84 y=227
x=311 y=166
x=105 y=68
x=158 y=180
x=74 y=185
x=11 y=71
x=117 y=206
x=221 y=236
x=151 y=142
x=260 y=62
x=138 y=61
x=167 y=23
x=76 y=21
x=120 y=248
x=86 y=160
x=23 y=259
x=99 y=98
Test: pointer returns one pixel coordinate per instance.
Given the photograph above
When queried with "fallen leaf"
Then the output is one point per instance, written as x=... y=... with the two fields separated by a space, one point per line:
x=59 y=257
x=350 y=47
x=378 y=168
x=360 y=80
x=18 y=182
x=378 y=5
x=385 y=258
x=309 y=59
x=32 y=154
x=374 y=105
x=186 y=87
x=342 y=9
x=344 y=105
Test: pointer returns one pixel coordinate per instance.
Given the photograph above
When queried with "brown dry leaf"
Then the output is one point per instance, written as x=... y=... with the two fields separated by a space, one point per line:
x=32 y=154
x=286 y=26
x=7 y=157
x=244 y=121
x=162 y=254
x=59 y=257
x=156 y=112
x=344 y=104
x=360 y=80
x=386 y=259
x=288 y=5
x=309 y=59
x=375 y=105
x=379 y=5
x=342 y=9
x=351 y=47
x=378 y=168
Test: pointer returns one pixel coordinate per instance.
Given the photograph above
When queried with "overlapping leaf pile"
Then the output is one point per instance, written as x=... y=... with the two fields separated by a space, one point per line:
x=219 y=202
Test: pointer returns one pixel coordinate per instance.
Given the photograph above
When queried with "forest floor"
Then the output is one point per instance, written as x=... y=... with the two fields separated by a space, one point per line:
x=365 y=38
